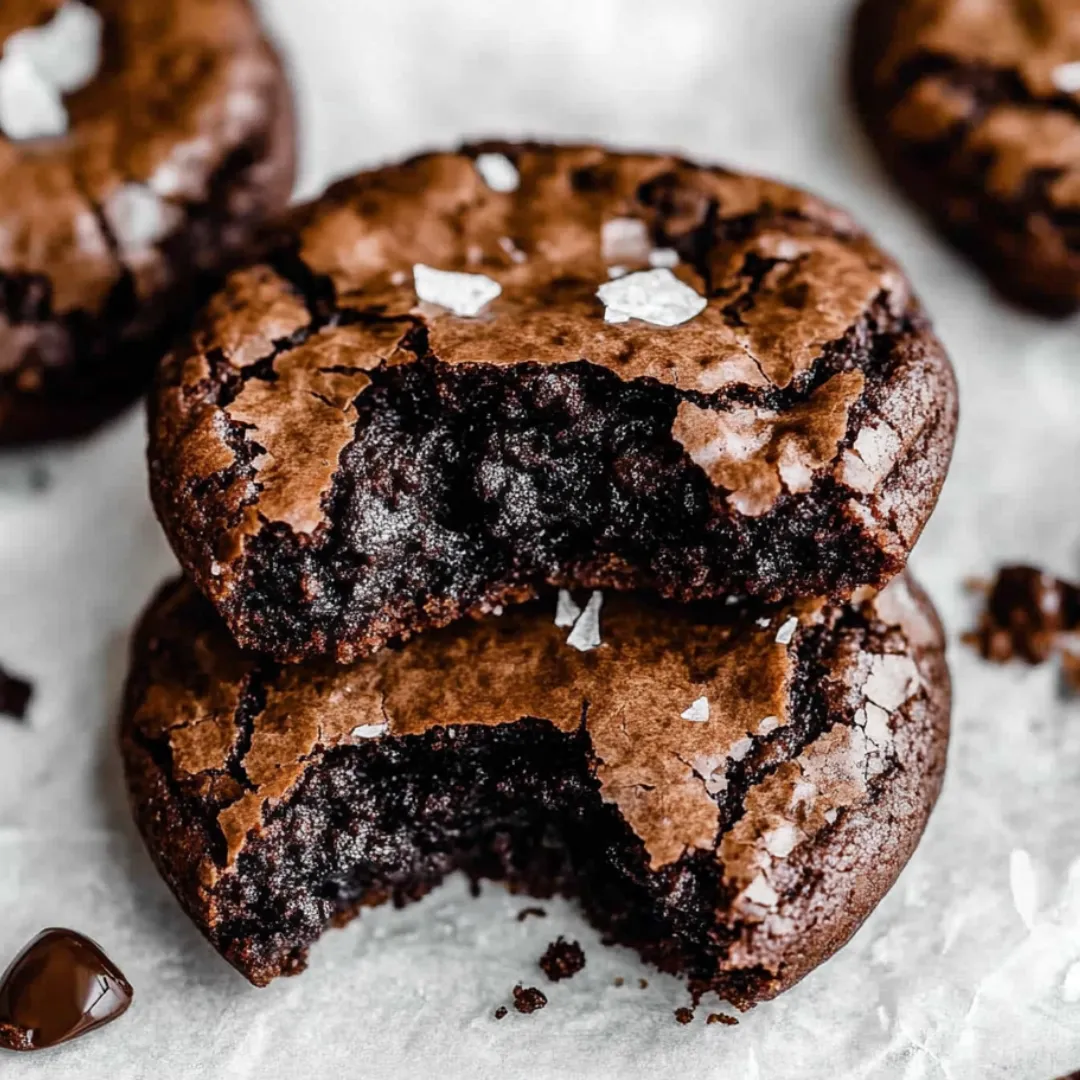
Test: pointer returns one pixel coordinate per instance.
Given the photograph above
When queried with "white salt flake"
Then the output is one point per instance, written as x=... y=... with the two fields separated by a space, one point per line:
x=586 y=633
x=831 y=816
x=787 y=631
x=1023 y=887
x=463 y=294
x=398 y=277
x=781 y=841
x=512 y=250
x=65 y=51
x=370 y=731
x=740 y=749
x=614 y=272
x=698 y=712
x=764 y=623
x=1066 y=77
x=566 y=611
x=30 y=107
x=653 y=296
x=624 y=240
x=138 y=218
x=661 y=257
x=769 y=723
x=498 y=172
x=760 y=893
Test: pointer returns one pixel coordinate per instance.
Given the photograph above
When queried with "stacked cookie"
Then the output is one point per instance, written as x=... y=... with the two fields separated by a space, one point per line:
x=539 y=508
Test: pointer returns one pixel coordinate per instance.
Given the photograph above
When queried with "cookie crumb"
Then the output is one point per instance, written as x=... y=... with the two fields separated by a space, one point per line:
x=684 y=1015
x=562 y=960
x=619 y=980
x=721 y=1018
x=527 y=999
x=15 y=695
x=1029 y=615
x=643 y=984
x=524 y=913
x=500 y=1012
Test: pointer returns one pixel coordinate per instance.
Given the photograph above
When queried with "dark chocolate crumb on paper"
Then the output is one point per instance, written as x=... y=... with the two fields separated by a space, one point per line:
x=15 y=695
x=527 y=999
x=500 y=1012
x=619 y=980
x=721 y=1018
x=643 y=984
x=562 y=960
x=684 y=1015
x=1029 y=615
x=524 y=913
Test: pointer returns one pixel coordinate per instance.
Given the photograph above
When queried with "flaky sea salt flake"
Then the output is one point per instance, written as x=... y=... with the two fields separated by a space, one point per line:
x=663 y=257
x=566 y=611
x=653 y=296
x=370 y=731
x=624 y=240
x=1066 y=77
x=65 y=51
x=30 y=107
x=787 y=631
x=138 y=218
x=498 y=172
x=698 y=712
x=463 y=294
x=586 y=633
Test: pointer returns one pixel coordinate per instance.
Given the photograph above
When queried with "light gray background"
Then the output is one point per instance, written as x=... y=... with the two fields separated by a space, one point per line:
x=970 y=968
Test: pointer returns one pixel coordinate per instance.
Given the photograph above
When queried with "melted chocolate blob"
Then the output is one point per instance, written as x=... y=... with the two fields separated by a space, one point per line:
x=59 y=987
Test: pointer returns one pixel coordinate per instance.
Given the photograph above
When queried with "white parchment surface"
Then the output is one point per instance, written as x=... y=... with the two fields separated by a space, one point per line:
x=970 y=967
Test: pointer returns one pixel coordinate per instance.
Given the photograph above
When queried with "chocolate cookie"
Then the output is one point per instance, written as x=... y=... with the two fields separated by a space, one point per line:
x=730 y=793
x=464 y=377
x=140 y=146
x=975 y=108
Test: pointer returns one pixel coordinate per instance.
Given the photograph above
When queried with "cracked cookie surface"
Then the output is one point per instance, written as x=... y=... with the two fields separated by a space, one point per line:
x=975 y=108
x=433 y=398
x=729 y=791
x=176 y=150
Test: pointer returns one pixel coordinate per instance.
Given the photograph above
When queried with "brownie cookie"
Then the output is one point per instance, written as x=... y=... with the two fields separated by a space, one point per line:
x=975 y=108
x=140 y=145
x=463 y=377
x=728 y=792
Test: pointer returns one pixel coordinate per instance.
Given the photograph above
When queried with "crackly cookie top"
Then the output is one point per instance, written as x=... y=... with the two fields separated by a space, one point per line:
x=711 y=282
x=996 y=80
x=125 y=145
x=671 y=698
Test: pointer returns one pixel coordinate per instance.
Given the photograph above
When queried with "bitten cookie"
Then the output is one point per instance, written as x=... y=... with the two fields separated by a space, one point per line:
x=728 y=793
x=466 y=376
x=140 y=145
x=975 y=108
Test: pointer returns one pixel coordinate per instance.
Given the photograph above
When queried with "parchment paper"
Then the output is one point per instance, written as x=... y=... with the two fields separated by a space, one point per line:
x=971 y=966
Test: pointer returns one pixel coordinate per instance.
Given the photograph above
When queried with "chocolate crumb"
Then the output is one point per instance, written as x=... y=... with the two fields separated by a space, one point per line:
x=1030 y=615
x=643 y=983
x=721 y=1018
x=15 y=696
x=684 y=1015
x=524 y=913
x=527 y=999
x=619 y=980
x=562 y=959
x=500 y=1012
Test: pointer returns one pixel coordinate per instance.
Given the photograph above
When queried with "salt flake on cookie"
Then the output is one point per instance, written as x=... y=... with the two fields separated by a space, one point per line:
x=652 y=296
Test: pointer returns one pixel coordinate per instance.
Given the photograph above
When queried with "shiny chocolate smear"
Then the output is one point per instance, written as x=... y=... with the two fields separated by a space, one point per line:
x=59 y=987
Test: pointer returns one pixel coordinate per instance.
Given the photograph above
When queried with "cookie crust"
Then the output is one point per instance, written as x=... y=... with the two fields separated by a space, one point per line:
x=339 y=463
x=740 y=850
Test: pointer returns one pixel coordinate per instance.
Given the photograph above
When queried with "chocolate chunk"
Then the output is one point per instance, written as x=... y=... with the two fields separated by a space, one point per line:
x=527 y=999
x=340 y=460
x=1029 y=615
x=524 y=913
x=562 y=960
x=15 y=695
x=59 y=987
x=684 y=1015
x=500 y=1012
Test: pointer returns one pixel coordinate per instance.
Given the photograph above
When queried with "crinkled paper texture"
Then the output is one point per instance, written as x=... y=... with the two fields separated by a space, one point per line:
x=945 y=980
